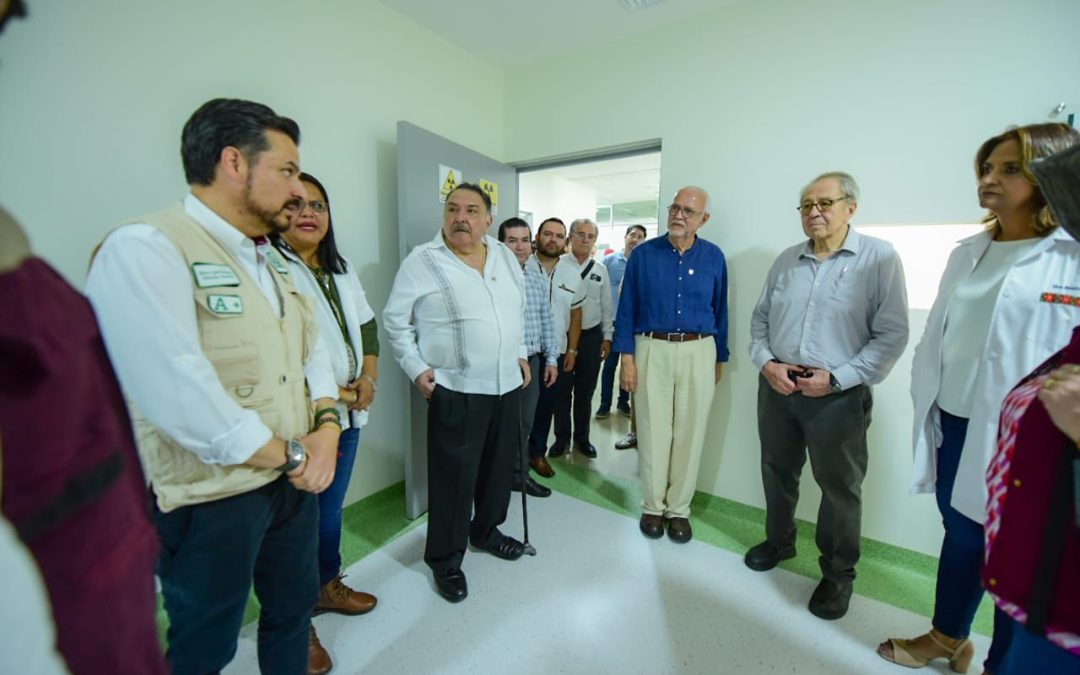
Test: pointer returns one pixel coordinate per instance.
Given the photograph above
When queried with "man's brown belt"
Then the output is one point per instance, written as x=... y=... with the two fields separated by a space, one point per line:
x=675 y=337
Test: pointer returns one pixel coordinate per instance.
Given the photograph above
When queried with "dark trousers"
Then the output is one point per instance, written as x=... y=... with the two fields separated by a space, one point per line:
x=959 y=578
x=331 y=502
x=832 y=429
x=576 y=389
x=607 y=383
x=472 y=444
x=545 y=408
x=529 y=396
x=1029 y=653
x=211 y=553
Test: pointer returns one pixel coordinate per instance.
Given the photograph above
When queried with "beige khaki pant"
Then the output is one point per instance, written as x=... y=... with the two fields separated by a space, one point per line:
x=675 y=386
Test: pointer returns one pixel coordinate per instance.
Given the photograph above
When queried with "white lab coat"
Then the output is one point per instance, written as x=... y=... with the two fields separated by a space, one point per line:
x=1024 y=332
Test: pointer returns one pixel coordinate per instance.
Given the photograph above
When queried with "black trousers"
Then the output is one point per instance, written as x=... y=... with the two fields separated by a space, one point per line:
x=832 y=429
x=472 y=447
x=528 y=399
x=545 y=408
x=211 y=553
x=576 y=390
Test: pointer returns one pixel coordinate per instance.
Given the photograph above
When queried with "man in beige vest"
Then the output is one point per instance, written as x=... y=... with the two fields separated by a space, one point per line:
x=219 y=358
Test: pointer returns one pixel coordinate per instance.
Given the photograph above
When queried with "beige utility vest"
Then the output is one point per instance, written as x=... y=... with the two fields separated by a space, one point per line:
x=258 y=358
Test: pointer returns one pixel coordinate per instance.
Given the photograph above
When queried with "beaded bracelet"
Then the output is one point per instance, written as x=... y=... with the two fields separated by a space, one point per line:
x=328 y=411
x=327 y=420
x=374 y=388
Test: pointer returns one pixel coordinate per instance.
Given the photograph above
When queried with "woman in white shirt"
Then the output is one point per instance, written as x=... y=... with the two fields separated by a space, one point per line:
x=990 y=325
x=347 y=327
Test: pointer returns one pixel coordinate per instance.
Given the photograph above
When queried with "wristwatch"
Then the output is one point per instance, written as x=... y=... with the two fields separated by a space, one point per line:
x=294 y=455
x=836 y=388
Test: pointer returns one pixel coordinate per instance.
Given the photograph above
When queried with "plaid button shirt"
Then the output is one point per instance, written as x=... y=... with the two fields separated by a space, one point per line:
x=539 y=331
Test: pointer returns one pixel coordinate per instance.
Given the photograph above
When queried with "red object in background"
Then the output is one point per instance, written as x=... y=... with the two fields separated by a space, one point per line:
x=608 y=251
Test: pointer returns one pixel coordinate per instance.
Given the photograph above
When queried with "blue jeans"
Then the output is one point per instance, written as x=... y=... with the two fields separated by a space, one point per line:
x=1030 y=653
x=330 y=503
x=959 y=577
x=607 y=383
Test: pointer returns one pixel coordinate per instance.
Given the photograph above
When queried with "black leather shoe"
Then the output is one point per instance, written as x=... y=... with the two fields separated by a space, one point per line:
x=558 y=449
x=624 y=409
x=678 y=530
x=506 y=548
x=830 y=600
x=589 y=450
x=652 y=526
x=533 y=489
x=765 y=556
x=451 y=585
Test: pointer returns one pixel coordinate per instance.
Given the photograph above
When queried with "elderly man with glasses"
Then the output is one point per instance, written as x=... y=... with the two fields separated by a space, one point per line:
x=671 y=329
x=831 y=321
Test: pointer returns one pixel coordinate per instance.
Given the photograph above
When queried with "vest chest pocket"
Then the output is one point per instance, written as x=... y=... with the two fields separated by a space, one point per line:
x=237 y=368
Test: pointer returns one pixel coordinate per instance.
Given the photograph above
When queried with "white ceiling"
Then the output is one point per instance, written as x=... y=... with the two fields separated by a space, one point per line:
x=616 y=181
x=513 y=34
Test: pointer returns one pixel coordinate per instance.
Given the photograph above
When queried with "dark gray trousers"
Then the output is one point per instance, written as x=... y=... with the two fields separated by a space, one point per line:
x=832 y=430
x=529 y=397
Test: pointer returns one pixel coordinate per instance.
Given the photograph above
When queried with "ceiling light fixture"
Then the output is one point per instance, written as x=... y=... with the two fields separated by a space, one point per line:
x=635 y=5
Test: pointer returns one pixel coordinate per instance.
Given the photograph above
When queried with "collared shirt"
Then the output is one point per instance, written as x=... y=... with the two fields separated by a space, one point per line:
x=846 y=314
x=142 y=290
x=597 y=309
x=465 y=326
x=616 y=267
x=667 y=292
x=565 y=292
x=539 y=331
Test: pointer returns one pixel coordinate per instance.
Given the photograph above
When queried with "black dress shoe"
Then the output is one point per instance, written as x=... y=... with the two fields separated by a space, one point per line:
x=589 y=450
x=451 y=585
x=678 y=530
x=652 y=526
x=765 y=556
x=505 y=547
x=532 y=488
x=830 y=600
x=558 y=449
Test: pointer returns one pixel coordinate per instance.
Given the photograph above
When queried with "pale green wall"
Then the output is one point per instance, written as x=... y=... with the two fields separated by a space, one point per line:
x=93 y=96
x=753 y=101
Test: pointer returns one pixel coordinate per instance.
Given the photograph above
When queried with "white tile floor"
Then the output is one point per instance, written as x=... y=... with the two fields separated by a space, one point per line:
x=599 y=598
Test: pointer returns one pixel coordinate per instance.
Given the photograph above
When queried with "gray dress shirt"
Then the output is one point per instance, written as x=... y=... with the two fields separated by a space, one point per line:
x=846 y=314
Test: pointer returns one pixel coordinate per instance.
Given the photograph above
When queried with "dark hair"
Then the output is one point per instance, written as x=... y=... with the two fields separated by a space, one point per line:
x=1035 y=140
x=644 y=232
x=510 y=223
x=553 y=219
x=473 y=187
x=225 y=122
x=327 y=252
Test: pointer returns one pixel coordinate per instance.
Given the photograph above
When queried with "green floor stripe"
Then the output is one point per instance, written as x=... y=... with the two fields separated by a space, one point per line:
x=893 y=575
x=888 y=573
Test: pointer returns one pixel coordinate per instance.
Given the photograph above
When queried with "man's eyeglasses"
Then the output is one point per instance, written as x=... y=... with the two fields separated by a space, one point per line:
x=676 y=210
x=316 y=205
x=822 y=204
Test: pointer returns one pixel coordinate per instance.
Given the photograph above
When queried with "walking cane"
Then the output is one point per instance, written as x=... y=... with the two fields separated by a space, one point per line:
x=529 y=549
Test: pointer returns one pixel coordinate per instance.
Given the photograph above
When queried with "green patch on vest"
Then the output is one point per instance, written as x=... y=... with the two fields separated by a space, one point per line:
x=225 y=304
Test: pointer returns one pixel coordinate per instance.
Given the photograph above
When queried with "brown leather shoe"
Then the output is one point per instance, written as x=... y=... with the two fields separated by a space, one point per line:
x=318 y=661
x=540 y=465
x=652 y=526
x=678 y=530
x=338 y=598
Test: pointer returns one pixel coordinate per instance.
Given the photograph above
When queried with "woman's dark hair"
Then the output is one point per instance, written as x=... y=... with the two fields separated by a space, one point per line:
x=327 y=253
x=224 y=122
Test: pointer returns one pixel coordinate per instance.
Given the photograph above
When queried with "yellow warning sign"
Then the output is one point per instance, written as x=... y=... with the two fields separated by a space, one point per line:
x=492 y=190
x=449 y=179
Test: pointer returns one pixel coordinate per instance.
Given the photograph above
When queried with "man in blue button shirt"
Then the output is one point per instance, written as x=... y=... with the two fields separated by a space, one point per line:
x=671 y=329
x=831 y=321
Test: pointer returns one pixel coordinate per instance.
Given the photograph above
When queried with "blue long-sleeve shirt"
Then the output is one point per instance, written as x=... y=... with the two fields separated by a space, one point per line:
x=665 y=292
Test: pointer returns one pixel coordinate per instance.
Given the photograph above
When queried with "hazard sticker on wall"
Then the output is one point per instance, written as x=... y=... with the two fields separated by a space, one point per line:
x=491 y=188
x=449 y=179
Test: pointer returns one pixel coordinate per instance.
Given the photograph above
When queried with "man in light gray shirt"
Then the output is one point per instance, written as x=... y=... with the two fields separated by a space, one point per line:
x=831 y=321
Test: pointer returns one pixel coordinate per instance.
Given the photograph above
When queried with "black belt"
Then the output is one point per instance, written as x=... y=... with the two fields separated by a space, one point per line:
x=675 y=337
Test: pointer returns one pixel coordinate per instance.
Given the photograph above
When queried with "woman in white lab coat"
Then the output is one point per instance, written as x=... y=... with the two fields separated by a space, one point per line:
x=347 y=327
x=990 y=325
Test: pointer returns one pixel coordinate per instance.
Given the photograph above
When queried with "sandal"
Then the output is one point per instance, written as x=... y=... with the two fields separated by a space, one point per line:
x=904 y=654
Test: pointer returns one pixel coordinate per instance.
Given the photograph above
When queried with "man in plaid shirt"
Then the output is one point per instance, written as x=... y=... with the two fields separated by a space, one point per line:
x=539 y=341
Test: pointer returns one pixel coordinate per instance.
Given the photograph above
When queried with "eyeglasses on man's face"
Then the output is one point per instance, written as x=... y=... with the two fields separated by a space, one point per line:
x=822 y=204
x=675 y=211
x=316 y=205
